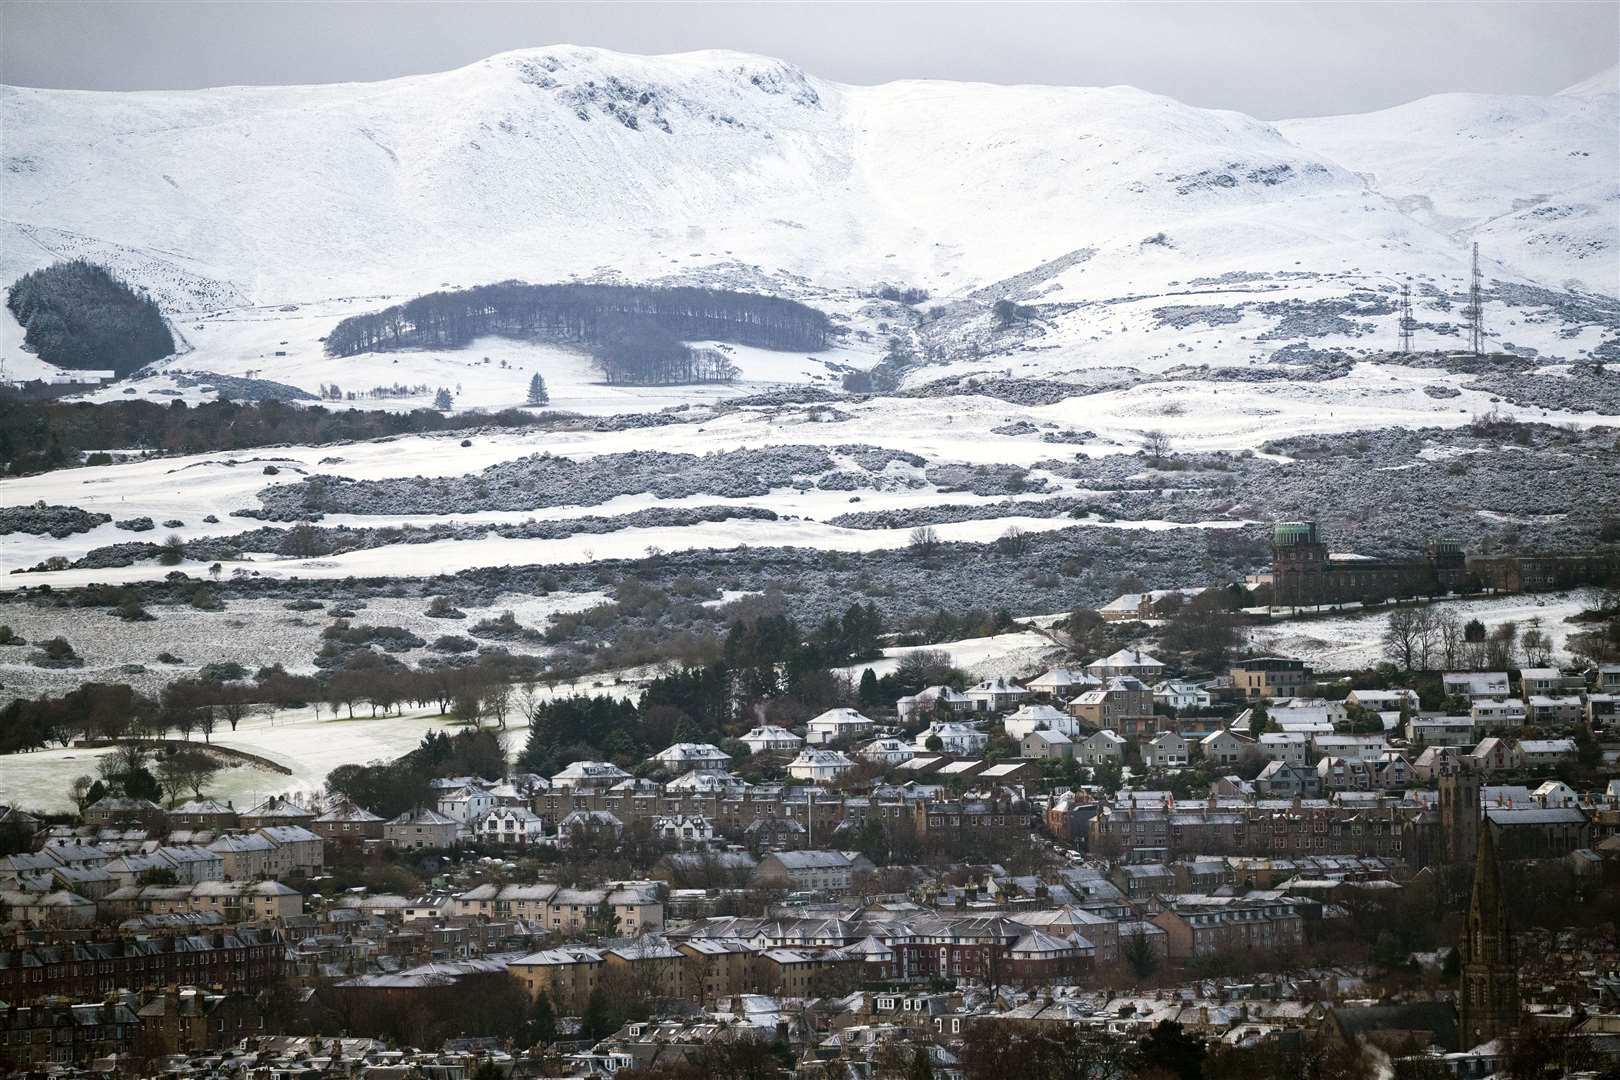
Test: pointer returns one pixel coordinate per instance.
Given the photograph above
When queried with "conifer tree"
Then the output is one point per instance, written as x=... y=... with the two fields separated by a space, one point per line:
x=537 y=391
x=443 y=401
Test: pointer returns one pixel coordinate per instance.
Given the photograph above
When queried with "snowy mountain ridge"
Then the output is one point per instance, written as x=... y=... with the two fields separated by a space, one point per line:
x=556 y=162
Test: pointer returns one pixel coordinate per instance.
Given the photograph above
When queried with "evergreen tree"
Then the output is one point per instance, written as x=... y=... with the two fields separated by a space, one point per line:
x=598 y=1021
x=443 y=401
x=537 y=391
x=543 y=1021
x=869 y=693
x=922 y=1066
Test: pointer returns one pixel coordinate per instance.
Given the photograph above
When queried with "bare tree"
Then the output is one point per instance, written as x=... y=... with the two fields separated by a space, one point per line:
x=1157 y=445
x=924 y=540
x=1402 y=638
x=498 y=702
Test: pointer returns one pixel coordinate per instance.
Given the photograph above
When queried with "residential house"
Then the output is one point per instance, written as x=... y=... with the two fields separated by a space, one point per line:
x=203 y=814
x=1041 y=744
x=1475 y=684
x=1166 y=750
x=300 y=851
x=421 y=828
x=1290 y=747
x=277 y=810
x=345 y=823
x=809 y=871
x=1226 y=746
x=684 y=757
x=1440 y=730
x=248 y=856
x=1181 y=696
x=510 y=826
x=771 y=739
x=819 y=766
x=963 y=739
x=1548 y=682
x=1030 y=717
x=1285 y=780
x=1061 y=684
x=1494 y=754
x=1535 y=752
x=589 y=828
x=837 y=726
x=887 y=752
x=1132 y=662
x=1490 y=714
x=586 y=776
x=934 y=701
x=693 y=830
x=1350 y=746
x=1271 y=677
x=1548 y=710
x=996 y=695
x=1383 y=700
x=1103 y=748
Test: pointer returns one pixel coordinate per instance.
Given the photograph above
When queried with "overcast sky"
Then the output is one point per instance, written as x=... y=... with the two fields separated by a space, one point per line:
x=1272 y=60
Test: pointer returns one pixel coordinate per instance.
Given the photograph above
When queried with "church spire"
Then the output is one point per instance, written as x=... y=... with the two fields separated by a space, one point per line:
x=1488 y=996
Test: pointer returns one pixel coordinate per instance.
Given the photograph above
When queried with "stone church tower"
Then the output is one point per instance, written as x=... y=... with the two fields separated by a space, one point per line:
x=1488 y=998
x=1459 y=814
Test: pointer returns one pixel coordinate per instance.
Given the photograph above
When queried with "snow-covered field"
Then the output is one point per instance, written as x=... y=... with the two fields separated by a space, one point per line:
x=312 y=746
x=1346 y=642
x=1016 y=654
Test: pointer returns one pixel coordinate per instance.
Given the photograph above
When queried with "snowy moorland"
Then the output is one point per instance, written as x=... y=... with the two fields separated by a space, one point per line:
x=1040 y=276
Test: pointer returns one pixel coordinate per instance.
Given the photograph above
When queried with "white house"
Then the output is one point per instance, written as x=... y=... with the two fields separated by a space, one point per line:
x=1546 y=751
x=465 y=805
x=1181 y=695
x=1031 y=717
x=1103 y=748
x=887 y=752
x=1062 y=683
x=515 y=826
x=1360 y=747
x=1288 y=747
x=1166 y=750
x=837 y=725
x=684 y=830
x=996 y=695
x=1227 y=747
x=819 y=766
x=932 y=699
x=1127 y=662
x=707 y=782
x=962 y=739
x=584 y=776
x=1555 y=794
x=1491 y=714
x=1383 y=700
x=686 y=756
x=1475 y=684
x=768 y=738
x=1441 y=730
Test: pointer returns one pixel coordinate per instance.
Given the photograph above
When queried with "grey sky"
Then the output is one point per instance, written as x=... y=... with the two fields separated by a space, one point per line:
x=1269 y=59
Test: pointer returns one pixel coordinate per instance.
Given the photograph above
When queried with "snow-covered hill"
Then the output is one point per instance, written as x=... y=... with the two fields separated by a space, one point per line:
x=553 y=162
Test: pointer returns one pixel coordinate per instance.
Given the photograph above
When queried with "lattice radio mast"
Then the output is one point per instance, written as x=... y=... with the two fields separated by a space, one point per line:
x=1475 y=311
x=1407 y=323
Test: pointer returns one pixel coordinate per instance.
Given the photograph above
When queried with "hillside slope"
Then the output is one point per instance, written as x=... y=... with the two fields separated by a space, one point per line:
x=561 y=161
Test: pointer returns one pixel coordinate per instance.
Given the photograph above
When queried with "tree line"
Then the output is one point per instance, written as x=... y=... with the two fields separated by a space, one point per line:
x=37 y=436
x=78 y=315
x=636 y=333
